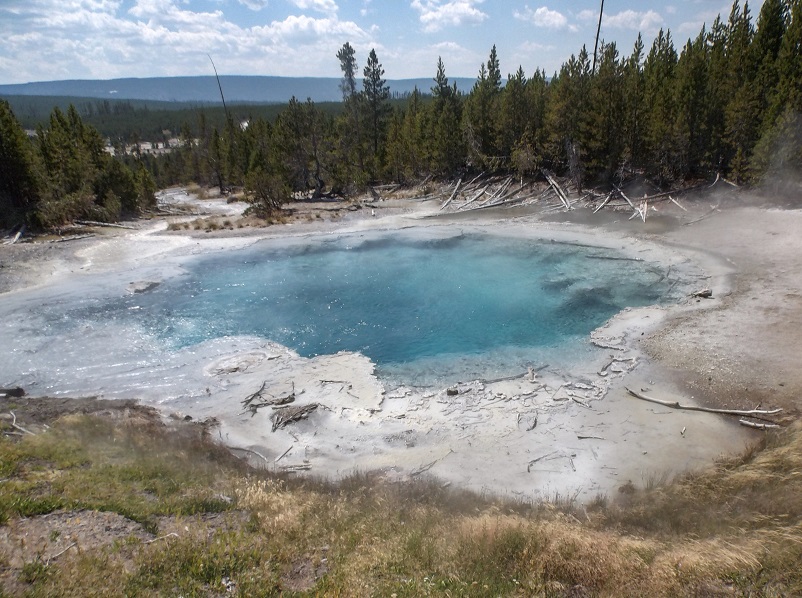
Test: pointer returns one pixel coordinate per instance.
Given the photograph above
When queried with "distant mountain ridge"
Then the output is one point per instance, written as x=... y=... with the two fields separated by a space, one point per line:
x=245 y=88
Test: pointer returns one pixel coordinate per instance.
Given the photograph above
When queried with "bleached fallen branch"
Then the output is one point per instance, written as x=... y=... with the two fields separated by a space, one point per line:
x=677 y=405
x=103 y=224
x=453 y=195
x=58 y=554
x=247 y=450
x=604 y=203
x=757 y=426
x=16 y=427
x=170 y=535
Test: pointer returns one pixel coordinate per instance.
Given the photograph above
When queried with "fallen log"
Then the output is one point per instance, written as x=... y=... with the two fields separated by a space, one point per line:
x=294 y=468
x=757 y=426
x=712 y=211
x=72 y=238
x=292 y=414
x=103 y=224
x=453 y=195
x=604 y=203
x=474 y=198
x=13 y=240
x=560 y=193
x=677 y=405
x=683 y=208
x=703 y=294
x=249 y=451
x=249 y=404
x=17 y=426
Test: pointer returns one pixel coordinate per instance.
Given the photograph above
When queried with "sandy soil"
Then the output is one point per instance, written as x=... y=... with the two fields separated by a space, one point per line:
x=578 y=435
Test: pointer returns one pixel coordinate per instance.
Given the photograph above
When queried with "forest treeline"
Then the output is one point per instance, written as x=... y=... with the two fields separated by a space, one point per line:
x=65 y=174
x=728 y=101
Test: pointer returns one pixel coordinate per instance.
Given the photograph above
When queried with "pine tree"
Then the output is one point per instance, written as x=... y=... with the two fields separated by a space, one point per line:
x=19 y=186
x=481 y=110
x=742 y=102
x=527 y=151
x=690 y=90
x=444 y=145
x=347 y=57
x=789 y=62
x=634 y=109
x=513 y=114
x=658 y=77
x=377 y=109
x=605 y=145
x=567 y=114
x=349 y=170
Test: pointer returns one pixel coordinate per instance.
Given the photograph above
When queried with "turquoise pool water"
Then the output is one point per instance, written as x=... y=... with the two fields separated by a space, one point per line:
x=424 y=310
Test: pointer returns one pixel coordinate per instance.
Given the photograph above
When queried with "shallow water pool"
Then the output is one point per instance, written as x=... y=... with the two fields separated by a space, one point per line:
x=426 y=310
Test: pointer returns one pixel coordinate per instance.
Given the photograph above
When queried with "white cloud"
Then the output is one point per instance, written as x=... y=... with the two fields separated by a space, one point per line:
x=544 y=17
x=437 y=14
x=328 y=7
x=633 y=20
x=107 y=39
x=254 y=4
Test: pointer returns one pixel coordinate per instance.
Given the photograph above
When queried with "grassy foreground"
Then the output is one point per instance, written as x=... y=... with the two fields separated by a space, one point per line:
x=115 y=502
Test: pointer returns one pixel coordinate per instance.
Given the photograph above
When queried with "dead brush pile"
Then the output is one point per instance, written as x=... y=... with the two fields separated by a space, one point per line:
x=204 y=525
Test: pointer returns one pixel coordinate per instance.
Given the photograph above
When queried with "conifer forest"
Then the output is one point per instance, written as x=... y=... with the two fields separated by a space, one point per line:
x=727 y=101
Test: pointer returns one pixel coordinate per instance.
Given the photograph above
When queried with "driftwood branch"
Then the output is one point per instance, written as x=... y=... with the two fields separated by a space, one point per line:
x=17 y=427
x=557 y=189
x=292 y=414
x=58 y=554
x=103 y=224
x=677 y=405
x=247 y=450
x=453 y=195
x=757 y=426
x=281 y=456
x=170 y=535
x=249 y=404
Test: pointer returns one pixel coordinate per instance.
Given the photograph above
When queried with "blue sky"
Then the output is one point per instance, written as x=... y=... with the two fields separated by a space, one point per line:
x=102 y=39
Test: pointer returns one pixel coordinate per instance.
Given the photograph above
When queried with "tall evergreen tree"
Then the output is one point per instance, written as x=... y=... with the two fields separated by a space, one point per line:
x=742 y=102
x=445 y=148
x=605 y=145
x=634 y=109
x=19 y=185
x=480 y=118
x=350 y=168
x=690 y=89
x=347 y=57
x=658 y=77
x=377 y=108
x=567 y=116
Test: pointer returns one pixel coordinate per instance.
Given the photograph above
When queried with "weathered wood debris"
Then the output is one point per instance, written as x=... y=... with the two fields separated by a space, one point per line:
x=258 y=400
x=743 y=413
x=554 y=193
x=289 y=415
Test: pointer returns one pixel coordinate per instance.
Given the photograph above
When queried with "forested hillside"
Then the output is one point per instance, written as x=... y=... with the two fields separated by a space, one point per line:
x=728 y=101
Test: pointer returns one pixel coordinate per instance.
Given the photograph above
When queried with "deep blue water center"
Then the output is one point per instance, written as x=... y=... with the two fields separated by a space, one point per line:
x=422 y=309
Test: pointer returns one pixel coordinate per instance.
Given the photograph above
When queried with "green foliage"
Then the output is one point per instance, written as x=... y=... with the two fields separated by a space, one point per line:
x=726 y=103
x=19 y=183
x=376 y=94
x=65 y=175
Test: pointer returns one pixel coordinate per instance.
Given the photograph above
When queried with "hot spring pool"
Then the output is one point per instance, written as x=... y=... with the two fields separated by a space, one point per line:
x=427 y=309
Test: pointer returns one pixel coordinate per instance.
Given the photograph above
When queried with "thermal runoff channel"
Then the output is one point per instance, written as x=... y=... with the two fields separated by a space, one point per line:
x=422 y=309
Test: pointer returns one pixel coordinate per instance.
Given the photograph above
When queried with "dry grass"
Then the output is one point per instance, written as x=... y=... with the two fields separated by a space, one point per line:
x=733 y=530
